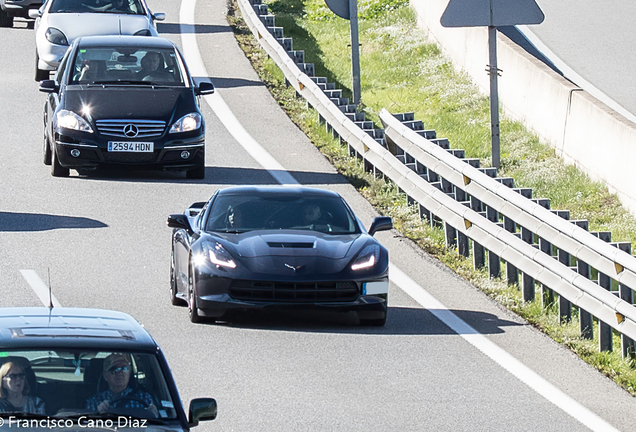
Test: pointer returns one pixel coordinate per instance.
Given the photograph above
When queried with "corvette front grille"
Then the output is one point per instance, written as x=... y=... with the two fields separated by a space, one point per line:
x=145 y=128
x=289 y=292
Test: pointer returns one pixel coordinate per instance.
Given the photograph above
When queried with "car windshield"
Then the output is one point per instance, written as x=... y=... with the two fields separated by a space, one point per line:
x=84 y=384
x=130 y=65
x=133 y=7
x=240 y=213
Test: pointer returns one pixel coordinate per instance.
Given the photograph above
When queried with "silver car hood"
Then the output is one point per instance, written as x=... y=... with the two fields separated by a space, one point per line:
x=74 y=25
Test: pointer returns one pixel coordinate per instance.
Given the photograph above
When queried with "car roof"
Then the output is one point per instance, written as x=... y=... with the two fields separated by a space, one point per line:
x=124 y=41
x=277 y=190
x=42 y=328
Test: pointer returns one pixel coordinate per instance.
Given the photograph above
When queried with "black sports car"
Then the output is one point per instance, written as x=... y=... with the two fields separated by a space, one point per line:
x=277 y=247
x=127 y=101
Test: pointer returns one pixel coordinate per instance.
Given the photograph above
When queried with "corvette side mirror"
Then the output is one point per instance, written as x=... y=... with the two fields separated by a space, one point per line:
x=381 y=223
x=179 y=221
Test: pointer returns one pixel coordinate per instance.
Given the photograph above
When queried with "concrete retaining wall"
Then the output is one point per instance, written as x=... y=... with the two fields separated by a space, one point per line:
x=583 y=131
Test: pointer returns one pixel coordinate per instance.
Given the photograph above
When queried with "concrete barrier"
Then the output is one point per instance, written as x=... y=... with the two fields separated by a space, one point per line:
x=582 y=130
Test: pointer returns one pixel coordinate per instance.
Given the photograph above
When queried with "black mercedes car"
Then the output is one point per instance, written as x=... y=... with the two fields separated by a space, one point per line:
x=126 y=101
x=256 y=247
x=88 y=369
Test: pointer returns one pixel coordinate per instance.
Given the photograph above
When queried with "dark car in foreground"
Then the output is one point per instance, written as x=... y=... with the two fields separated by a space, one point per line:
x=124 y=101
x=66 y=359
x=254 y=247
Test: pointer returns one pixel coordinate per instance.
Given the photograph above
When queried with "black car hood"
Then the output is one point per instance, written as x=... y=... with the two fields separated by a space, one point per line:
x=296 y=243
x=129 y=102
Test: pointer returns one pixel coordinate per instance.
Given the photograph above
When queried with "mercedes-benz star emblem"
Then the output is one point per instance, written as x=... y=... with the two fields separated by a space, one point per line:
x=130 y=130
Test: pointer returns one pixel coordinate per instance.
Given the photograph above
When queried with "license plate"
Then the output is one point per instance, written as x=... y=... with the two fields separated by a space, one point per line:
x=114 y=146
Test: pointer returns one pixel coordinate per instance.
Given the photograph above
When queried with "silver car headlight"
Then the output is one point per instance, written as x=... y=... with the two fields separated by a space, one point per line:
x=367 y=258
x=55 y=36
x=69 y=120
x=187 y=123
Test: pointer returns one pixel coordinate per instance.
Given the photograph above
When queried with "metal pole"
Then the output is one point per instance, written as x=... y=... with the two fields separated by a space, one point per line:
x=494 y=96
x=355 y=52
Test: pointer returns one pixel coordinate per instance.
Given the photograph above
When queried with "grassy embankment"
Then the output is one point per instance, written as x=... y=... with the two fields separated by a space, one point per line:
x=405 y=72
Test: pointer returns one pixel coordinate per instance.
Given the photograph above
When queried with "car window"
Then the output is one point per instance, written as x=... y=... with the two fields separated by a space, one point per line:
x=68 y=384
x=133 y=7
x=240 y=213
x=127 y=65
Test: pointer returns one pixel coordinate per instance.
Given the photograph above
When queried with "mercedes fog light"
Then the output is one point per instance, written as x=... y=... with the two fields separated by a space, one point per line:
x=75 y=153
x=185 y=154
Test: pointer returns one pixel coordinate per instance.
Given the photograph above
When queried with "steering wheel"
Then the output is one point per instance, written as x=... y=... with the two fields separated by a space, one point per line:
x=115 y=402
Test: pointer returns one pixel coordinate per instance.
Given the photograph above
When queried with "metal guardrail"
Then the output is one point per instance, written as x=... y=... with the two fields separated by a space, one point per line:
x=460 y=194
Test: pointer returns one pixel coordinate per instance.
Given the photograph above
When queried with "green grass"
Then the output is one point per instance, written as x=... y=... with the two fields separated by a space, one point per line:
x=403 y=72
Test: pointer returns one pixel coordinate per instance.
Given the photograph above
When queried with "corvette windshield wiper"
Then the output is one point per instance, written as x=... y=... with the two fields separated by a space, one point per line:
x=145 y=83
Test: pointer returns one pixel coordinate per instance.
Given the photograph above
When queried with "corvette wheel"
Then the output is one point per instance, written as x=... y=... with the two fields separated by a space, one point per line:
x=57 y=170
x=192 y=300
x=176 y=301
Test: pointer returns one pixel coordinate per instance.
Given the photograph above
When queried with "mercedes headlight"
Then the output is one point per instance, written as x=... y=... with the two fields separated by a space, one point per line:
x=367 y=258
x=187 y=123
x=69 y=120
x=55 y=36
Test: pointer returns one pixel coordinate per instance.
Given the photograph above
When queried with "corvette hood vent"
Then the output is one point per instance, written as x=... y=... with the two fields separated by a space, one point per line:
x=290 y=245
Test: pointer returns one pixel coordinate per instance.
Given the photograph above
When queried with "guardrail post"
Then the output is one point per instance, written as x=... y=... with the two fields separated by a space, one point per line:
x=586 y=323
x=512 y=274
x=451 y=235
x=494 y=262
x=565 y=307
x=528 y=282
x=462 y=244
x=547 y=294
x=626 y=294
x=604 y=331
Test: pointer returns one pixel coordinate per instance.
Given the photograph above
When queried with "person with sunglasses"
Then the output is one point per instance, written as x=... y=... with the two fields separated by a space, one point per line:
x=117 y=373
x=15 y=391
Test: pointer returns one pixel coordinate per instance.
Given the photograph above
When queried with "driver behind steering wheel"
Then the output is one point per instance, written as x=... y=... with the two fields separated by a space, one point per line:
x=117 y=371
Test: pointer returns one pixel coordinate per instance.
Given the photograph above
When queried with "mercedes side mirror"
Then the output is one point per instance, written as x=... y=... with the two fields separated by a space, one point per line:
x=201 y=409
x=381 y=223
x=159 y=16
x=204 y=87
x=48 y=86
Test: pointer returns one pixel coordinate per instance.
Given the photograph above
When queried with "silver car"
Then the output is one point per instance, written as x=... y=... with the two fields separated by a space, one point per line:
x=59 y=22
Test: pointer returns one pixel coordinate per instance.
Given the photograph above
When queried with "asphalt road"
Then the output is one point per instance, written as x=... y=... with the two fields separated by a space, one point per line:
x=591 y=42
x=449 y=359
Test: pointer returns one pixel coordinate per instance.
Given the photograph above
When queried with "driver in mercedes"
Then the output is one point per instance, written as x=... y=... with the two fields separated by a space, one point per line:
x=117 y=371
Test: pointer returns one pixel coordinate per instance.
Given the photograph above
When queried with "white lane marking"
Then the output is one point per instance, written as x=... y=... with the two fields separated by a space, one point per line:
x=218 y=105
x=472 y=336
x=498 y=355
x=40 y=288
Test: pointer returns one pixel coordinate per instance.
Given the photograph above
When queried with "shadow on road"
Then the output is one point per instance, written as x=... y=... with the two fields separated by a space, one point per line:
x=213 y=176
x=175 y=28
x=22 y=222
x=401 y=321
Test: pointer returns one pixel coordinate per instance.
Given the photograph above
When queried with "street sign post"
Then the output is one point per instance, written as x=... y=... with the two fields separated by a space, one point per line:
x=348 y=9
x=492 y=14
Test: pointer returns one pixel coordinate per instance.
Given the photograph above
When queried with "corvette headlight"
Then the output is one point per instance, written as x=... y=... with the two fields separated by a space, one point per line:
x=367 y=258
x=187 y=123
x=69 y=120
x=220 y=257
x=55 y=36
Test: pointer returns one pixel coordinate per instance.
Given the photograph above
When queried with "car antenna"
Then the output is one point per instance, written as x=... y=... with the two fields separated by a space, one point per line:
x=50 y=290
